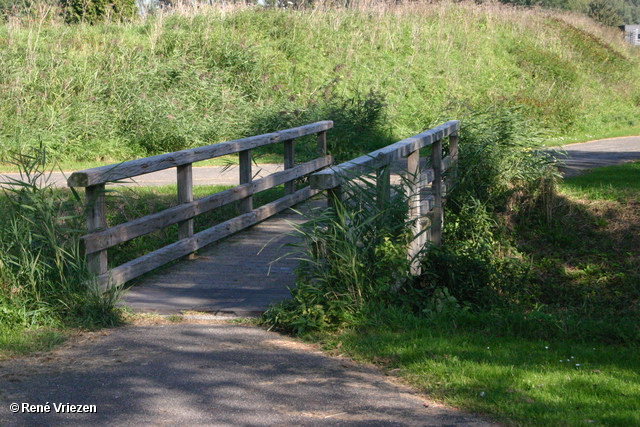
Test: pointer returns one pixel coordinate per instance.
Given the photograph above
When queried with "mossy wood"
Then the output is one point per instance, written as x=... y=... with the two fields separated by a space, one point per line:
x=99 y=239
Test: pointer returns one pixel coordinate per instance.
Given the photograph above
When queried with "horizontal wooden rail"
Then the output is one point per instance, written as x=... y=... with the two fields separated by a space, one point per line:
x=100 y=238
x=334 y=176
x=132 y=168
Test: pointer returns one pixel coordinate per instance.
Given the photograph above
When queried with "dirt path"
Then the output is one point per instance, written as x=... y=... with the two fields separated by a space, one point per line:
x=209 y=373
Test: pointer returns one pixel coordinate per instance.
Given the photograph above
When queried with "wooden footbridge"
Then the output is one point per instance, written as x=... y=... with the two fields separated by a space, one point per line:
x=240 y=266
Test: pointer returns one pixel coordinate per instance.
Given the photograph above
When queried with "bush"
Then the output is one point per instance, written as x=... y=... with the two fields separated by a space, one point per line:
x=94 y=11
x=44 y=279
x=354 y=256
x=603 y=12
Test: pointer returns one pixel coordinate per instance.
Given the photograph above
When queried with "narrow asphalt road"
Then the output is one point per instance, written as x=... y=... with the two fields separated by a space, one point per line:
x=207 y=374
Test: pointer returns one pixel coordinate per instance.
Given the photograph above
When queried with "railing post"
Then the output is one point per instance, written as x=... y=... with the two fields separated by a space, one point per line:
x=96 y=220
x=322 y=143
x=289 y=162
x=383 y=186
x=246 y=204
x=334 y=195
x=185 y=195
x=415 y=184
x=436 y=188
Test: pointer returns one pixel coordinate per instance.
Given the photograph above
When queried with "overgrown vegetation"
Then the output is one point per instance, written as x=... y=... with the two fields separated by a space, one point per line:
x=607 y=12
x=113 y=91
x=44 y=282
x=528 y=311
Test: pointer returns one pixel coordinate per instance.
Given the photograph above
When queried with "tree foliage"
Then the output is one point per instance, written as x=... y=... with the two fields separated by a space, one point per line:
x=93 y=11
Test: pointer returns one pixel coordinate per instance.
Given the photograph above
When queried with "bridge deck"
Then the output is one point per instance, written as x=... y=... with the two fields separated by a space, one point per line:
x=235 y=276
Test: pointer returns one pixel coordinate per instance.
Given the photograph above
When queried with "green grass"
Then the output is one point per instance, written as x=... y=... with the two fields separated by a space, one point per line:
x=20 y=341
x=610 y=183
x=516 y=381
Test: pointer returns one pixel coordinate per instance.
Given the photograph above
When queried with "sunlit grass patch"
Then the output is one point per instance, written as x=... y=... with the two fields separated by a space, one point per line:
x=620 y=183
x=519 y=381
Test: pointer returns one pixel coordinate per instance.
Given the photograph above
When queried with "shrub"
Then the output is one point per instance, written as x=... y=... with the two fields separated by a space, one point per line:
x=44 y=279
x=354 y=256
x=603 y=12
x=94 y=11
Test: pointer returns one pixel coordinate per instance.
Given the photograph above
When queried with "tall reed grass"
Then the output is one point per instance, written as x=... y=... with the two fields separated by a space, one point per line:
x=114 y=91
x=44 y=279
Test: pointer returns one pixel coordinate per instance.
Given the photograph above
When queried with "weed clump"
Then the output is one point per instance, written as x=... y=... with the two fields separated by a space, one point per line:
x=44 y=279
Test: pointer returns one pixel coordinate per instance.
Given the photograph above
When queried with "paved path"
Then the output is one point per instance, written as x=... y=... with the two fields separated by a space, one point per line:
x=209 y=374
x=601 y=153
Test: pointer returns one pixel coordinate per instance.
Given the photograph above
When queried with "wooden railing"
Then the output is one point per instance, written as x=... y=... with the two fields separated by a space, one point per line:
x=100 y=237
x=331 y=179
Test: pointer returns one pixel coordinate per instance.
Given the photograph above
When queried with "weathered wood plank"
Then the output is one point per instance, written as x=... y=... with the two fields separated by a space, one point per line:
x=155 y=259
x=333 y=176
x=246 y=204
x=147 y=224
x=437 y=223
x=289 y=162
x=125 y=170
x=415 y=178
x=96 y=220
x=322 y=143
x=185 y=195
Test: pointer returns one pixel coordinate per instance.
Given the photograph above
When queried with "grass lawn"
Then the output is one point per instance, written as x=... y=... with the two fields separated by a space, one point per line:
x=565 y=362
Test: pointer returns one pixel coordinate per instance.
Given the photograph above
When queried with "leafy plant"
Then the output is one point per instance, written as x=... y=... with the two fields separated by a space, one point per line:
x=94 y=11
x=43 y=276
x=353 y=256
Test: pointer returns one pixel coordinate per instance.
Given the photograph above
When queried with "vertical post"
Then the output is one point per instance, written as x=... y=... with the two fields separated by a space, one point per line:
x=96 y=220
x=289 y=162
x=246 y=204
x=413 y=169
x=383 y=186
x=322 y=143
x=436 y=186
x=453 y=147
x=334 y=195
x=185 y=195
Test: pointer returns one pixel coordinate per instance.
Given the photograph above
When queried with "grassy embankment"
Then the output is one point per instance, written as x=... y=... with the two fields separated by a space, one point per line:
x=537 y=367
x=111 y=92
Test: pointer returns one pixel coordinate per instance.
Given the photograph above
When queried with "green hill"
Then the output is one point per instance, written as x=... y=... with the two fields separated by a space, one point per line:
x=114 y=91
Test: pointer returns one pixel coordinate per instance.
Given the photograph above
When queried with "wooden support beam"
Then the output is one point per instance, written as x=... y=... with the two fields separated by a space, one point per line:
x=289 y=162
x=437 y=222
x=414 y=177
x=96 y=220
x=185 y=195
x=246 y=204
x=322 y=143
